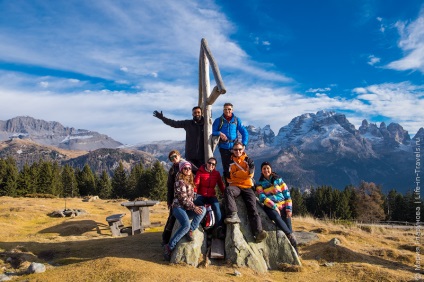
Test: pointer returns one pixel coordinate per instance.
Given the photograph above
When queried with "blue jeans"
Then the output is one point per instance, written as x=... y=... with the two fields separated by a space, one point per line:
x=213 y=201
x=283 y=222
x=183 y=216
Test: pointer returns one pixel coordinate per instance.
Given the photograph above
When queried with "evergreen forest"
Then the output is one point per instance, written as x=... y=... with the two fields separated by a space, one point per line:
x=365 y=203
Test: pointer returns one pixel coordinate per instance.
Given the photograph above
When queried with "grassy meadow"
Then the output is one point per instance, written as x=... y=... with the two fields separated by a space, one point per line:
x=82 y=248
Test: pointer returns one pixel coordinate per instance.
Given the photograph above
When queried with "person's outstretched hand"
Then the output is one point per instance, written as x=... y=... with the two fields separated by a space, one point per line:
x=157 y=114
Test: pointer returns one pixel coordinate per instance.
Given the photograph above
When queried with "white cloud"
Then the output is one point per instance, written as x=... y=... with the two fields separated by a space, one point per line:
x=412 y=43
x=401 y=102
x=372 y=60
x=128 y=117
x=129 y=37
x=315 y=90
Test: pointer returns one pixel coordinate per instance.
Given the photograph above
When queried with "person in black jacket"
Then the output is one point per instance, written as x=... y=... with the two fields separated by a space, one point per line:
x=194 y=146
x=175 y=158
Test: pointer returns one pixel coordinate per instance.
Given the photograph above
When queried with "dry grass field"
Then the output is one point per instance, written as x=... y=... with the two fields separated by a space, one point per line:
x=82 y=248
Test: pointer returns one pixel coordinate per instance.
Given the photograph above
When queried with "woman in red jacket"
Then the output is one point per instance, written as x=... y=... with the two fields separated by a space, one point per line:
x=207 y=177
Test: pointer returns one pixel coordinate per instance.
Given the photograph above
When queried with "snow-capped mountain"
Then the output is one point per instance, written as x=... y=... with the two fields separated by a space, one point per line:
x=54 y=134
x=326 y=149
x=313 y=149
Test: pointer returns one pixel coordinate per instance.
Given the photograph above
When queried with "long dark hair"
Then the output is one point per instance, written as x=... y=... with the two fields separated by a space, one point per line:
x=188 y=179
x=273 y=174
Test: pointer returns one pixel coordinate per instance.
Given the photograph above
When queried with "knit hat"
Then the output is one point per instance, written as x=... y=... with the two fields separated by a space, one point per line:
x=264 y=164
x=184 y=164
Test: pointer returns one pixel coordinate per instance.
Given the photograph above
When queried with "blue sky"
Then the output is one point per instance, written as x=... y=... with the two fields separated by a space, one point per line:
x=107 y=65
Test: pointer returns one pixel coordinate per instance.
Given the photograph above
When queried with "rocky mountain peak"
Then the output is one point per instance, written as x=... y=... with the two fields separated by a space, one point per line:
x=420 y=134
x=53 y=133
x=393 y=133
x=28 y=125
x=260 y=136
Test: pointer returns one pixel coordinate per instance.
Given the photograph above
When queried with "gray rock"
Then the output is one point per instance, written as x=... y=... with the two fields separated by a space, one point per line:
x=57 y=213
x=4 y=277
x=334 y=242
x=188 y=252
x=304 y=238
x=36 y=268
x=240 y=247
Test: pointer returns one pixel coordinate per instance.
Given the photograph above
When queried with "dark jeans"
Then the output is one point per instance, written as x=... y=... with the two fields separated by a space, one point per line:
x=167 y=231
x=249 y=198
x=226 y=159
x=283 y=222
x=213 y=201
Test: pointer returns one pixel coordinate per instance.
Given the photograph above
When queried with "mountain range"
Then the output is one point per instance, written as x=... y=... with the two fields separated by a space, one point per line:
x=313 y=149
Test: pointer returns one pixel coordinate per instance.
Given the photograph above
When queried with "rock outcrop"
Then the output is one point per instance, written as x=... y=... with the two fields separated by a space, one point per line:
x=240 y=247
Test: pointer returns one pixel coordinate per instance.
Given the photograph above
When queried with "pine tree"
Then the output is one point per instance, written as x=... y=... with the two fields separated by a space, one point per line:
x=299 y=207
x=133 y=180
x=342 y=208
x=104 y=186
x=57 y=187
x=86 y=181
x=69 y=182
x=309 y=197
x=25 y=181
x=119 y=182
x=157 y=182
x=8 y=177
x=351 y=194
x=390 y=204
x=45 y=178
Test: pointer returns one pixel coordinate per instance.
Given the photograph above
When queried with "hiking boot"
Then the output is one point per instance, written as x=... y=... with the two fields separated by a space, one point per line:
x=293 y=242
x=167 y=252
x=189 y=235
x=260 y=236
x=232 y=219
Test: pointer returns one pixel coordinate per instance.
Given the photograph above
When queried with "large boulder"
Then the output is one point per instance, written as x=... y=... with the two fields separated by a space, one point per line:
x=240 y=247
x=189 y=252
x=270 y=254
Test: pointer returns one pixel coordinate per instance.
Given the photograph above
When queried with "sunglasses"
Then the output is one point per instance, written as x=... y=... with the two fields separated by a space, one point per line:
x=236 y=149
x=173 y=157
x=187 y=168
x=214 y=164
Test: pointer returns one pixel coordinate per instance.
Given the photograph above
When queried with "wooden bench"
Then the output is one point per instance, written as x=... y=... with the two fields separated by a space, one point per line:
x=140 y=214
x=115 y=224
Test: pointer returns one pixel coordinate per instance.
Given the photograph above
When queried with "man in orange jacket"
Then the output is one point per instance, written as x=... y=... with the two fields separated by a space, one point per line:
x=240 y=183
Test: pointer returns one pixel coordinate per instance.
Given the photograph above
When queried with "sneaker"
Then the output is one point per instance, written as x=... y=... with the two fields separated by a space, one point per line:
x=260 y=236
x=167 y=252
x=293 y=242
x=232 y=219
x=189 y=235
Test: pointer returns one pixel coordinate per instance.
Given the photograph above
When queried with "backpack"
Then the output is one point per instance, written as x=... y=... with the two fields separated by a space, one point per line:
x=209 y=219
x=221 y=122
x=215 y=139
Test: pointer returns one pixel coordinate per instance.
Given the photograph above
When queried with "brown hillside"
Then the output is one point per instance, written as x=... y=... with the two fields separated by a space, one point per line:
x=82 y=249
x=26 y=146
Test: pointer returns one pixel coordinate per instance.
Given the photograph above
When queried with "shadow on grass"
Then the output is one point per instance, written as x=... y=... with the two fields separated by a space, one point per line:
x=145 y=246
x=328 y=253
x=75 y=228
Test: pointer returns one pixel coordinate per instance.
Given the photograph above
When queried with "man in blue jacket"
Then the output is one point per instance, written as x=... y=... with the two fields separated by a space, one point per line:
x=226 y=127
